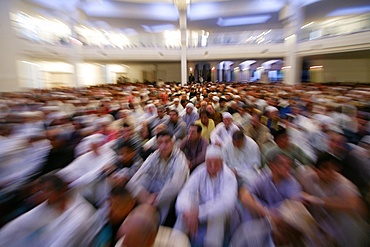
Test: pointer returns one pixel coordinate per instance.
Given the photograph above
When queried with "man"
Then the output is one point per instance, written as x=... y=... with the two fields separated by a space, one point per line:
x=190 y=115
x=64 y=219
x=175 y=126
x=194 y=146
x=176 y=105
x=257 y=131
x=223 y=131
x=203 y=106
x=267 y=196
x=207 y=125
x=243 y=156
x=215 y=116
x=148 y=126
x=242 y=118
x=141 y=229
x=283 y=143
x=207 y=200
x=161 y=176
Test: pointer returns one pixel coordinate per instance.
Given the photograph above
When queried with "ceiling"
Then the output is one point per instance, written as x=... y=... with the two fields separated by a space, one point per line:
x=210 y=15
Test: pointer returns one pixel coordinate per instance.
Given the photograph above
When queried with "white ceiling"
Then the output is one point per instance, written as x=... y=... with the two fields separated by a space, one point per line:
x=209 y=15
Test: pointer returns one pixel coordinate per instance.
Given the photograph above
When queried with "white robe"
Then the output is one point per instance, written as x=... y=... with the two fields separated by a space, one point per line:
x=221 y=135
x=244 y=160
x=45 y=226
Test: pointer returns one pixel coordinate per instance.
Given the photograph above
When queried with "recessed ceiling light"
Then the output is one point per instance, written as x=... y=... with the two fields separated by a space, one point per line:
x=243 y=20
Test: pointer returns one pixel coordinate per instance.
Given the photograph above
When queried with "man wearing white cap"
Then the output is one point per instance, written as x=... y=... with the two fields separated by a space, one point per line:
x=176 y=105
x=190 y=115
x=242 y=155
x=207 y=201
x=224 y=131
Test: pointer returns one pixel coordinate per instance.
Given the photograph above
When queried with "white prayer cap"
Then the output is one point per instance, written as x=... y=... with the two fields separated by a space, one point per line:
x=106 y=120
x=95 y=139
x=366 y=139
x=215 y=98
x=226 y=115
x=190 y=105
x=213 y=151
x=176 y=99
x=271 y=108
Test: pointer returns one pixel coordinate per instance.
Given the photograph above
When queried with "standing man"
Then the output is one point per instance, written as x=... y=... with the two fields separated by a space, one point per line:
x=161 y=176
x=207 y=201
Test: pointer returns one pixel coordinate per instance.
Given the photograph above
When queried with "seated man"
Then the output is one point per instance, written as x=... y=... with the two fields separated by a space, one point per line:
x=207 y=200
x=190 y=116
x=141 y=229
x=336 y=205
x=194 y=146
x=206 y=123
x=161 y=176
x=64 y=219
x=223 y=131
x=125 y=166
x=267 y=195
x=243 y=156
x=176 y=126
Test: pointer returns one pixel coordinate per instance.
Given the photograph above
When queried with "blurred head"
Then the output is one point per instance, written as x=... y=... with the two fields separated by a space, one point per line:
x=255 y=120
x=127 y=152
x=203 y=105
x=227 y=119
x=140 y=227
x=127 y=131
x=189 y=108
x=54 y=188
x=214 y=160
x=174 y=116
x=121 y=204
x=326 y=167
x=337 y=143
x=161 y=112
x=165 y=144
x=194 y=132
x=210 y=109
x=204 y=117
x=238 y=139
x=281 y=138
x=280 y=165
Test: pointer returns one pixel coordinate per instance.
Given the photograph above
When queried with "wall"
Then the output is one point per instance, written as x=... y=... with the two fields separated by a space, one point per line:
x=343 y=70
x=172 y=72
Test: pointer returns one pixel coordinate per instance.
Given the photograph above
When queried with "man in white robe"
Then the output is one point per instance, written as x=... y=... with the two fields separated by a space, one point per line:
x=223 y=131
x=161 y=176
x=243 y=156
x=65 y=219
x=207 y=200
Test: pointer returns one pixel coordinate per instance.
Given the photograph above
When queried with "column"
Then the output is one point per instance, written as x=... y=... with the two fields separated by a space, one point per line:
x=183 y=26
x=9 y=78
x=292 y=16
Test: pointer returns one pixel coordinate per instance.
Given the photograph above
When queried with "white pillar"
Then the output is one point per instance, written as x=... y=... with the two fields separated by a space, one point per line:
x=183 y=26
x=292 y=16
x=9 y=79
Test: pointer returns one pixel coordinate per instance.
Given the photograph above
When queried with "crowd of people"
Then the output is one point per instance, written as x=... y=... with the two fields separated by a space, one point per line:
x=209 y=164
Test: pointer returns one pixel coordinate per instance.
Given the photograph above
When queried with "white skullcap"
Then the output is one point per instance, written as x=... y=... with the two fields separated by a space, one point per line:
x=190 y=105
x=176 y=99
x=271 y=108
x=95 y=139
x=366 y=139
x=213 y=151
x=226 y=115
x=215 y=98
